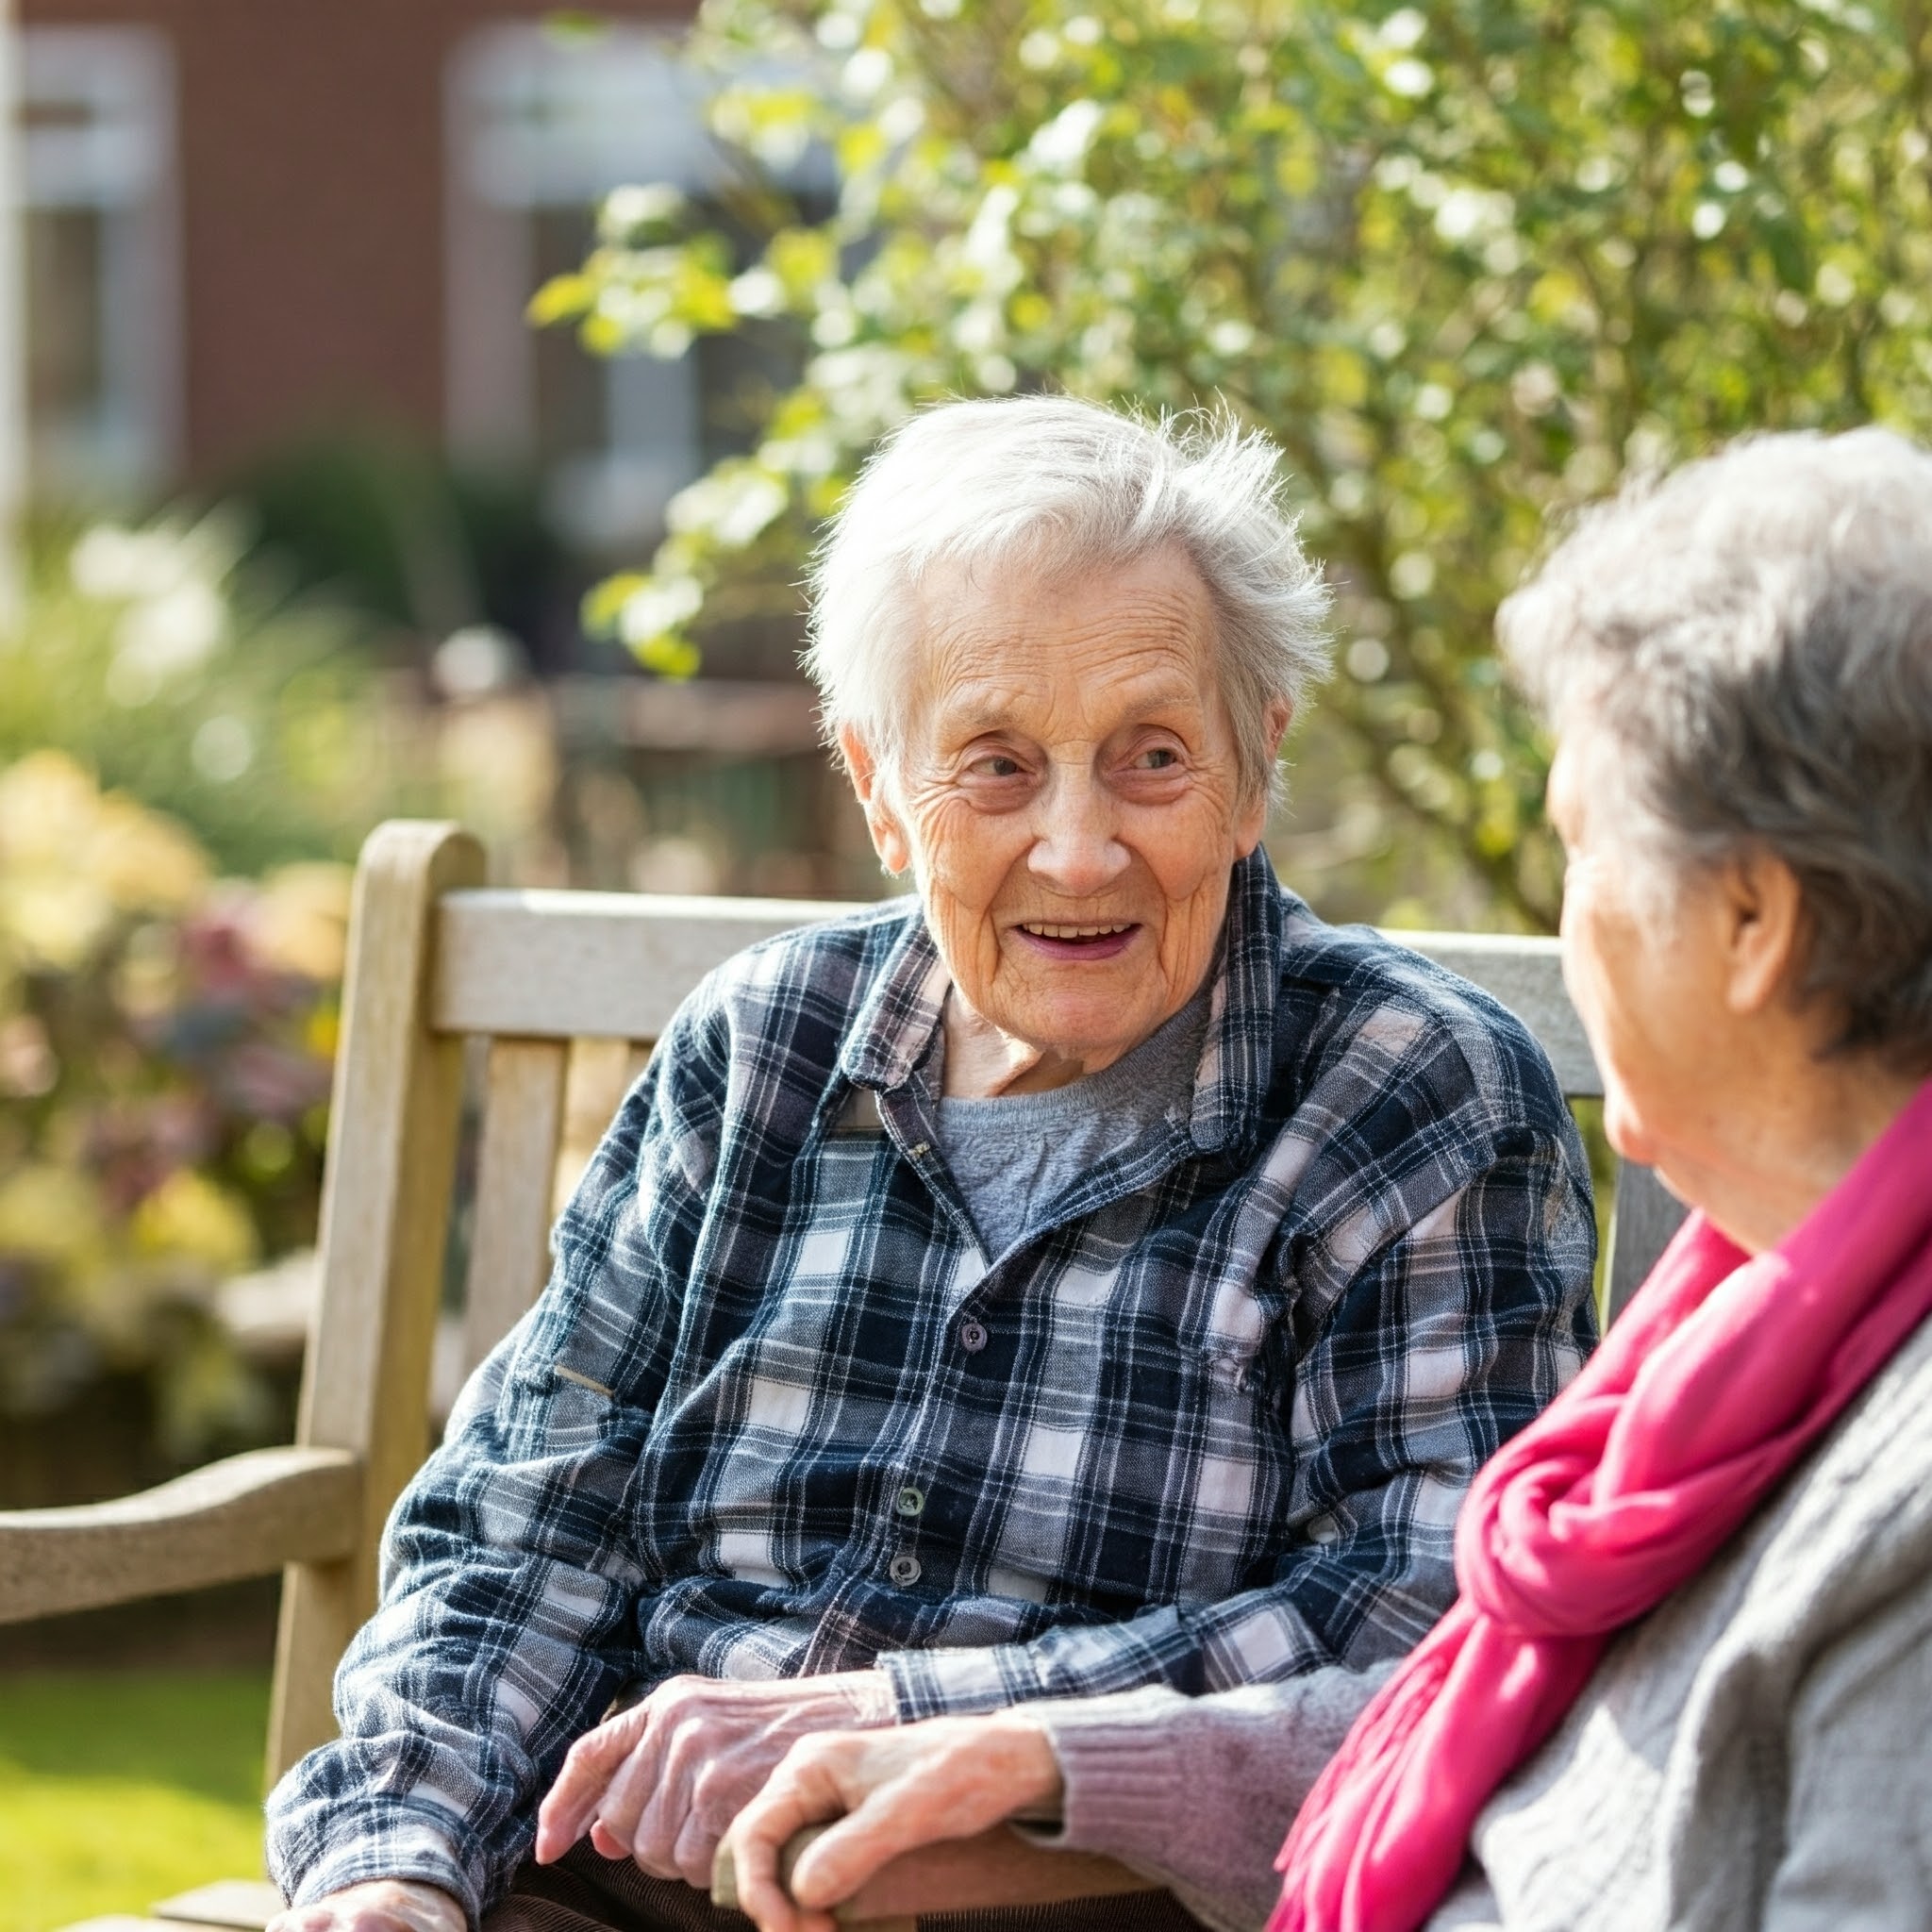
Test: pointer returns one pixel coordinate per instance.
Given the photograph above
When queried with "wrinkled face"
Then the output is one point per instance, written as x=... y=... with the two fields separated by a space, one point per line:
x=1069 y=800
x=1649 y=983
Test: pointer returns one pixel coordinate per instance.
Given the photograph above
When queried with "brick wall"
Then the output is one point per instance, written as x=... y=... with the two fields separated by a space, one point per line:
x=310 y=154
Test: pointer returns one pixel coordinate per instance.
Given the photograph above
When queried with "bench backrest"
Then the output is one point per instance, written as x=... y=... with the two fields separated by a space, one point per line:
x=556 y=997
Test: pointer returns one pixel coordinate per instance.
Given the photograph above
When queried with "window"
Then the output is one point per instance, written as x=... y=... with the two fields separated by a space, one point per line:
x=541 y=125
x=100 y=245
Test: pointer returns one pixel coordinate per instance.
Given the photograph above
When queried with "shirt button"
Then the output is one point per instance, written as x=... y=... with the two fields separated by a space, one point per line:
x=971 y=1337
x=910 y=1501
x=903 y=1572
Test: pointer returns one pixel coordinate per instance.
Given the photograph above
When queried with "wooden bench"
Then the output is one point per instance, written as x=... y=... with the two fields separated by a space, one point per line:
x=555 y=998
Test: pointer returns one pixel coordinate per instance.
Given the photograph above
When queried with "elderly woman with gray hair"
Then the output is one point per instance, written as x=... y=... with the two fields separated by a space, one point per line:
x=1686 y=1677
x=1090 y=1272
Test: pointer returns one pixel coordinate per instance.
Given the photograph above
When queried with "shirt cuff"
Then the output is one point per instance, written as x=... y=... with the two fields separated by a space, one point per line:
x=958 y=1683
x=385 y=1843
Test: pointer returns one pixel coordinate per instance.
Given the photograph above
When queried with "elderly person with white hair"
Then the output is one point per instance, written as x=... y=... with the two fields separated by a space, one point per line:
x=1090 y=1273
x=1687 y=1680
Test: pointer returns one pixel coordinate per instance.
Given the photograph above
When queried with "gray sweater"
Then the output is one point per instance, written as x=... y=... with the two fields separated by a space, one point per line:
x=1751 y=1755
x=1018 y=1154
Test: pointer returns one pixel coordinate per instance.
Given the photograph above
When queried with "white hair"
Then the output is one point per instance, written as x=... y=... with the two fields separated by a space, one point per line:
x=1054 y=485
x=1751 y=640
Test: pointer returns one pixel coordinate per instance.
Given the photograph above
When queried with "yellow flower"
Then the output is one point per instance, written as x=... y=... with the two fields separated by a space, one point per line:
x=144 y=861
x=300 y=923
x=191 y=1217
x=47 y=807
x=52 y=921
x=72 y=857
x=51 y=1214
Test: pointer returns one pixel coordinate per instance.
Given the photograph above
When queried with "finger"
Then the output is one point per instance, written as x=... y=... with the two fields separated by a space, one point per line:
x=695 y=1844
x=899 y=1816
x=624 y=1799
x=689 y=1751
x=802 y=1791
x=572 y=1802
x=718 y=1793
x=321 y=1917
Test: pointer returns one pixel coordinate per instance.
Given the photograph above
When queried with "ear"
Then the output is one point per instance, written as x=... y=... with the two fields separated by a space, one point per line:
x=1764 y=931
x=1252 y=818
x=888 y=838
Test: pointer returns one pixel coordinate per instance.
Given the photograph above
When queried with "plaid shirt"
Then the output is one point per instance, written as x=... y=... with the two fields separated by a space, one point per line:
x=1207 y=1425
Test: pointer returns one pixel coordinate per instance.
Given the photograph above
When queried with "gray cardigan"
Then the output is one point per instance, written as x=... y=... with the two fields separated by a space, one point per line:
x=1752 y=1754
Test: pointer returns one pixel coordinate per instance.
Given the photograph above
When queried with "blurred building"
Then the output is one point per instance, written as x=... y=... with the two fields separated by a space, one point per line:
x=249 y=223
x=259 y=237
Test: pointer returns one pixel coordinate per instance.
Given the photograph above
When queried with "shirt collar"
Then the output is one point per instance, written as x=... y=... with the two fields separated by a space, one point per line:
x=893 y=1029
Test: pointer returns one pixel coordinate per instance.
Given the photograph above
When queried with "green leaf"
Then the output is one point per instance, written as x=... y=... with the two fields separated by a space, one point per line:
x=562 y=298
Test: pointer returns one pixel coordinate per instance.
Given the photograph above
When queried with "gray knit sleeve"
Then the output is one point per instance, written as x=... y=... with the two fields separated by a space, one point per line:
x=1199 y=1792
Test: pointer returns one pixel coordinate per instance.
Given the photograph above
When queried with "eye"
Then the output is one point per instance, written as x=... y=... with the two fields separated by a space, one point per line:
x=1157 y=757
x=995 y=765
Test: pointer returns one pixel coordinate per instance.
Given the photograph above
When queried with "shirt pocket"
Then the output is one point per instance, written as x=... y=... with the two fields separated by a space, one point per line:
x=553 y=1410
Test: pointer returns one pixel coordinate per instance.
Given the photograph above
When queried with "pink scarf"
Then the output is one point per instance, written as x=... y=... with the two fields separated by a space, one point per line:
x=1722 y=1371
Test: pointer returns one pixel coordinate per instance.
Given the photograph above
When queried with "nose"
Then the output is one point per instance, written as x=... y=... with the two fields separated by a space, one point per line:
x=1075 y=850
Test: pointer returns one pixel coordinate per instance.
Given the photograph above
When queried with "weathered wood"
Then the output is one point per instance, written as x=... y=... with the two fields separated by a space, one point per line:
x=1644 y=1217
x=1527 y=975
x=636 y=1060
x=385 y=1212
x=997 y=1868
x=245 y=1516
x=573 y=965
x=600 y=1075
x=602 y=1072
x=124 y=1922
x=245 y=1903
x=566 y=965
x=510 y=1251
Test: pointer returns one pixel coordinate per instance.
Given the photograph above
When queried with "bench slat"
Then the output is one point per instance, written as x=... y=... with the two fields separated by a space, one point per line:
x=246 y=1905
x=995 y=1868
x=554 y=965
x=244 y=1516
x=558 y=965
x=509 y=1249
x=1527 y=975
x=1643 y=1218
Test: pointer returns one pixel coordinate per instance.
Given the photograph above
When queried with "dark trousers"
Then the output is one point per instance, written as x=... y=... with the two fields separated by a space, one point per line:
x=584 y=1892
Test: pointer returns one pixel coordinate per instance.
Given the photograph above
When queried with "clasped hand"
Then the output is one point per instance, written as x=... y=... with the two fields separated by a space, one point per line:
x=661 y=1782
x=891 y=1792
x=658 y=1783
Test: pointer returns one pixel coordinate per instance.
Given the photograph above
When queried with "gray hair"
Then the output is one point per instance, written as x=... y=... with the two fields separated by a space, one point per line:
x=1057 y=484
x=1755 y=634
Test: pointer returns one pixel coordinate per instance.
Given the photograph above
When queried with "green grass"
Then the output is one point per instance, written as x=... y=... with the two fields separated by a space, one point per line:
x=119 y=1788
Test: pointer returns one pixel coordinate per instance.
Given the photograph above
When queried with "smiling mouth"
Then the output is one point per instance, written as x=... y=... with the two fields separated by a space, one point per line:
x=1062 y=941
x=1042 y=931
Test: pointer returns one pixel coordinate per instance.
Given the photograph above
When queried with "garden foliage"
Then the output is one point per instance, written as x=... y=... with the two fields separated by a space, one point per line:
x=160 y=662
x=165 y=1045
x=166 y=1028
x=1471 y=265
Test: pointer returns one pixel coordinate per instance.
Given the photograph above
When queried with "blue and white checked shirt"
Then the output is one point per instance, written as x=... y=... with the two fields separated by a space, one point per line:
x=1207 y=1425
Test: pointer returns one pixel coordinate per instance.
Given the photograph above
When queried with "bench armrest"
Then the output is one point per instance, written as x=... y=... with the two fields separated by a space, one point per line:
x=998 y=1868
x=244 y=1516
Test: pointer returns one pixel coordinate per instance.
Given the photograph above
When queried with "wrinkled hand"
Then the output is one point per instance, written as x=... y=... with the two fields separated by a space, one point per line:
x=382 y=1905
x=661 y=1782
x=894 y=1790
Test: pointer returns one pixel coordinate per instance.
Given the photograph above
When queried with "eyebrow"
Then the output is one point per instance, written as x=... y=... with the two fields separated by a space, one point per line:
x=975 y=716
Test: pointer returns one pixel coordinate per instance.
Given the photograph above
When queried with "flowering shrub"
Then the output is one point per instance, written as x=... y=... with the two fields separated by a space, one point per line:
x=1471 y=265
x=165 y=1045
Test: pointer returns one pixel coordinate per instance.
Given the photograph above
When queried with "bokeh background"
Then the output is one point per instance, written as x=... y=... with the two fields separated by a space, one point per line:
x=427 y=405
